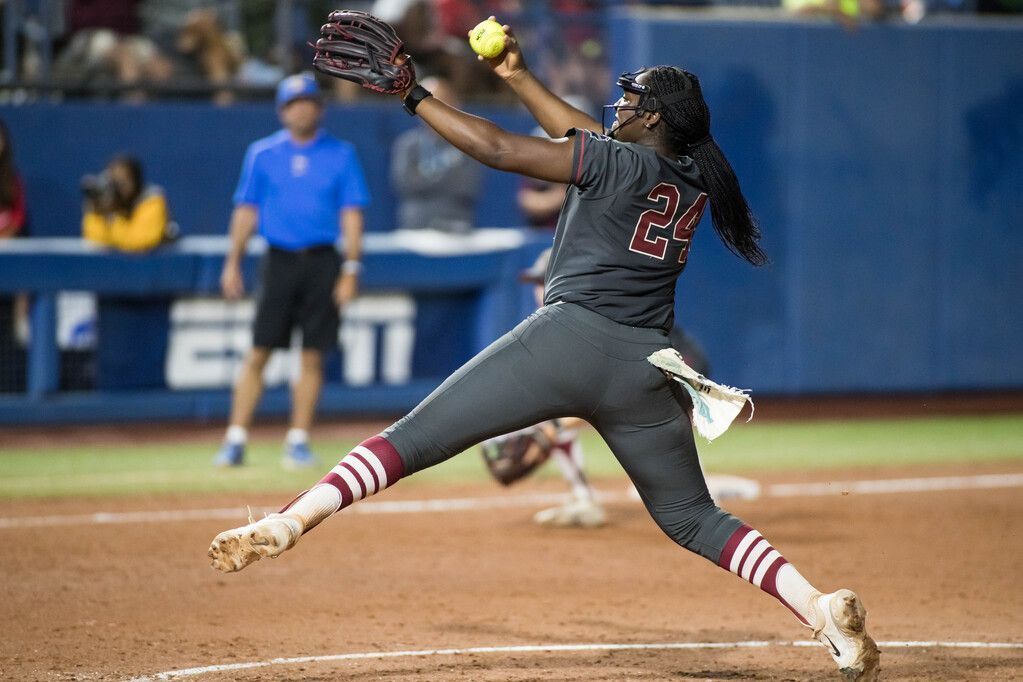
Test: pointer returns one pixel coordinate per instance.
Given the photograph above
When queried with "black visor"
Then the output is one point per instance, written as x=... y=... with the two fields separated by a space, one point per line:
x=627 y=82
x=649 y=102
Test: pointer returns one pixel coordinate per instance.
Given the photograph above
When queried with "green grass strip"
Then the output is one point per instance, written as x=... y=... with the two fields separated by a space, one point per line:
x=145 y=469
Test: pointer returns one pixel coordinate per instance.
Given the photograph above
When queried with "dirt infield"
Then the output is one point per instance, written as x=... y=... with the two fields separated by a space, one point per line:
x=114 y=601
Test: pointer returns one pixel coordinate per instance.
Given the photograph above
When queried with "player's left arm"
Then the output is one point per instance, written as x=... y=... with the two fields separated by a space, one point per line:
x=352 y=196
x=352 y=225
x=493 y=146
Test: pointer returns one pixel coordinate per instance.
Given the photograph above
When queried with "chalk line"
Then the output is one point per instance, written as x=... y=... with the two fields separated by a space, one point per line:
x=544 y=648
x=864 y=487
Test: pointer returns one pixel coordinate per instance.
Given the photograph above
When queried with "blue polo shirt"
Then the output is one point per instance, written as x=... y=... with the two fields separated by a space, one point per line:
x=300 y=188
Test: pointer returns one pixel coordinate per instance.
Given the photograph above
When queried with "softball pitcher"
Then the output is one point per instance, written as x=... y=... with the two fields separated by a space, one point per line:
x=636 y=197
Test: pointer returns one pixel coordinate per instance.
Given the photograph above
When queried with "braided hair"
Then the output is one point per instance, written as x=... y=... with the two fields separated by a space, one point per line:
x=688 y=133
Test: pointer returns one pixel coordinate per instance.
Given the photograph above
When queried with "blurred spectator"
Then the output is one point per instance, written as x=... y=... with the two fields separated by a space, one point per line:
x=120 y=211
x=427 y=37
x=257 y=27
x=105 y=49
x=12 y=192
x=14 y=329
x=540 y=201
x=183 y=46
x=207 y=52
x=162 y=19
x=436 y=184
x=415 y=16
x=262 y=64
x=581 y=77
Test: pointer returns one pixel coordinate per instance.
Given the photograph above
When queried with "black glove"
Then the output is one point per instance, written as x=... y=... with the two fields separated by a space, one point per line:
x=361 y=48
x=509 y=458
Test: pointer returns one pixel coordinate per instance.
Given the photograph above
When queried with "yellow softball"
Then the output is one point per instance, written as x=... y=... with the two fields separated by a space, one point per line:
x=487 y=39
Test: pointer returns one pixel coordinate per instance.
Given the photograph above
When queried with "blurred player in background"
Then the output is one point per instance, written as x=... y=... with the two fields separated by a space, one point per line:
x=437 y=185
x=299 y=187
x=622 y=240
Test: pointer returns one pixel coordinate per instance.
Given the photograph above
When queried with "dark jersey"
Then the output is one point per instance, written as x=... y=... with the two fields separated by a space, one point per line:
x=624 y=232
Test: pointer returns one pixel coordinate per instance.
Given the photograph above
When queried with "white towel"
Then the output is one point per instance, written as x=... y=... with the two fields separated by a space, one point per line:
x=714 y=406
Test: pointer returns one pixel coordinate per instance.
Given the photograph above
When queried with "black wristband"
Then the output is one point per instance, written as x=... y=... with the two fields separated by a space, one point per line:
x=414 y=97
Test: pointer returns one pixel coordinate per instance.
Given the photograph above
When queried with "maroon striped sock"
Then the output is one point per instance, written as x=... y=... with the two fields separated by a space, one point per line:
x=748 y=555
x=370 y=467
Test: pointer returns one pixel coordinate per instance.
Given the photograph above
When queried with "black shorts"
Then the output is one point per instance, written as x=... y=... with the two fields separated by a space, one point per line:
x=297 y=290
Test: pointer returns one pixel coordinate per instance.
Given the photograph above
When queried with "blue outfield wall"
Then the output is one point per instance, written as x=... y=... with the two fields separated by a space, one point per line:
x=168 y=345
x=886 y=167
x=195 y=152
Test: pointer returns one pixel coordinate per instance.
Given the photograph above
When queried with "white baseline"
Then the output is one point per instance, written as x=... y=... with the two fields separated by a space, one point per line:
x=543 y=648
x=866 y=487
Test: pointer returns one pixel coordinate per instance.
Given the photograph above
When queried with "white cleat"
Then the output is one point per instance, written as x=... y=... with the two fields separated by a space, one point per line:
x=235 y=549
x=578 y=514
x=842 y=629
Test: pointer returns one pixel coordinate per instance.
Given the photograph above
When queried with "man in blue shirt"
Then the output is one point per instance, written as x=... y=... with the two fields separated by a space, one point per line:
x=297 y=187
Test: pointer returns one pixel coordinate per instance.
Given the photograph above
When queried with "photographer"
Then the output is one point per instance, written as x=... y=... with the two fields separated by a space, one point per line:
x=120 y=211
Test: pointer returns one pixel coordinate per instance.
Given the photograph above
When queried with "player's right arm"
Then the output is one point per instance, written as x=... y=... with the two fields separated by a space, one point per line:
x=243 y=223
x=248 y=195
x=555 y=115
x=483 y=140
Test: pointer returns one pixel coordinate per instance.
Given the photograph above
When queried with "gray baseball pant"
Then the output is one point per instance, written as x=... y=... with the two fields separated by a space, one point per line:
x=567 y=361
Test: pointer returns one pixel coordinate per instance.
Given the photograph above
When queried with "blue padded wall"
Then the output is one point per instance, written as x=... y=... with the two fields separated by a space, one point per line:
x=885 y=167
x=195 y=152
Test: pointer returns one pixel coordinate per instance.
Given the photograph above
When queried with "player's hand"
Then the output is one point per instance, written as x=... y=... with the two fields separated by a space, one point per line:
x=399 y=60
x=509 y=63
x=346 y=288
x=231 y=282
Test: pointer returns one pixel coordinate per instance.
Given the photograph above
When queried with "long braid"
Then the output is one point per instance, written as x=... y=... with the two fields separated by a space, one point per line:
x=688 y=133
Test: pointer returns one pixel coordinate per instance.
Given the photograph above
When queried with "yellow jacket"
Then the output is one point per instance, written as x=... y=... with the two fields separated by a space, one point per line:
x=143 y=230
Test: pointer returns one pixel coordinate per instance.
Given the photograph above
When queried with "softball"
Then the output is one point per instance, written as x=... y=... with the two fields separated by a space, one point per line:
x=487 y=39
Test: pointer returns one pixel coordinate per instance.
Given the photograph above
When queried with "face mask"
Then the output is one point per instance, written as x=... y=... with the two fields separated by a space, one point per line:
x=647 y=100
x=627 y=82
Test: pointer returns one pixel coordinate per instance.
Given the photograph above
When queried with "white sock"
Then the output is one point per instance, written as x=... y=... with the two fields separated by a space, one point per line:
x=297 y=437
x=315 y=504
x=797 y=592
x=571 y=471
x=236 y=435
x=750 y=556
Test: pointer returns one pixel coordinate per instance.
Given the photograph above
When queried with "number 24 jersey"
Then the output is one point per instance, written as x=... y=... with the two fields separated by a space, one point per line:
x=624 y=232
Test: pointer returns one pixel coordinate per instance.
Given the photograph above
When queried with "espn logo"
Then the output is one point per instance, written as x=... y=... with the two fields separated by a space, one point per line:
x=210 y=336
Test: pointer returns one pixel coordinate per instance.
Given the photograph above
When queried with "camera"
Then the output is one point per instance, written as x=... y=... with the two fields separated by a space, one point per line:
x=98 y=188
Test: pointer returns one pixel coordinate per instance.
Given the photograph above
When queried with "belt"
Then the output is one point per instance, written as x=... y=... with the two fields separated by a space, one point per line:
x=316 y=248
